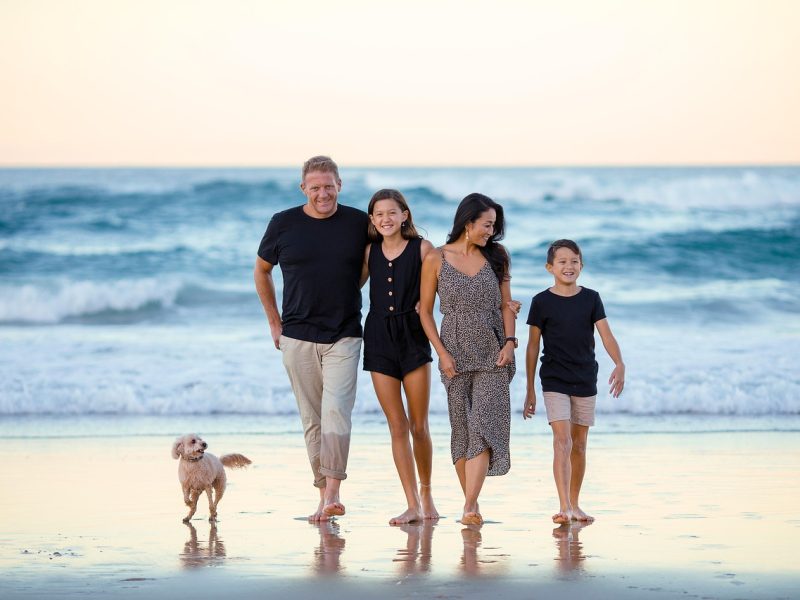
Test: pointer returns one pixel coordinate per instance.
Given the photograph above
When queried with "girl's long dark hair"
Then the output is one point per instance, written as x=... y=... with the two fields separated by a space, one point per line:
x=471 y=207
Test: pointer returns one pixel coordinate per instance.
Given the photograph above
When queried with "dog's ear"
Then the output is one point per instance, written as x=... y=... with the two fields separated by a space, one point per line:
x=177 y=448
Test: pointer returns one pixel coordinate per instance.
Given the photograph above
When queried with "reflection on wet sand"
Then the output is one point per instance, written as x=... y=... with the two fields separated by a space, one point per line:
x=490 y=562
x=415 y=558
x=570 y=550
x=331 y=546
x=197 y=554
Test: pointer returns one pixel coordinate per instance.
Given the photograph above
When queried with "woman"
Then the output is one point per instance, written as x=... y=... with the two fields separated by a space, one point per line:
x=471 y=273
x=396 y=351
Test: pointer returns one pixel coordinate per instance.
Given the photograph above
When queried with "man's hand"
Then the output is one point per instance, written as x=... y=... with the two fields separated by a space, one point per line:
x=275 y=331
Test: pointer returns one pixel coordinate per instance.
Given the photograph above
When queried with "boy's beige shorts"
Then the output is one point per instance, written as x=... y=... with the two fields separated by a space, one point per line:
x=576 y=409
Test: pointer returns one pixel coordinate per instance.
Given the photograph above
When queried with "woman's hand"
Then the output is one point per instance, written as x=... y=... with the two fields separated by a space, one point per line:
x=506 y=356
x=447 y=365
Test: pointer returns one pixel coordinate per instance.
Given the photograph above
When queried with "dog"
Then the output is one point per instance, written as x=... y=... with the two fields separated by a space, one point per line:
x=200 y=471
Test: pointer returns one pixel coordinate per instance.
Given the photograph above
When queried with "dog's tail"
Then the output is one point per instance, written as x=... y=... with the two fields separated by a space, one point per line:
x=235 y=461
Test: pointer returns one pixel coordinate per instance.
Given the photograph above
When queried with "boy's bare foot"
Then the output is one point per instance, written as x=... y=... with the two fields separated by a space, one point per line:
x=426 y=498
x=579 y=515
x=410 y=516
x=562 y=517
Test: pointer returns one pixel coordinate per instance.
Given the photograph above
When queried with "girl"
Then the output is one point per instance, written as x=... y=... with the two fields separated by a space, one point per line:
x=476 y=346
x=396 y=350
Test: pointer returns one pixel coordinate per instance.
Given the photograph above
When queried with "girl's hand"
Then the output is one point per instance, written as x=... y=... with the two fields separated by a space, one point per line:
x=529 y=409
x=515 y=306
x=617 y=380
x=506 y=356
x=447 y=365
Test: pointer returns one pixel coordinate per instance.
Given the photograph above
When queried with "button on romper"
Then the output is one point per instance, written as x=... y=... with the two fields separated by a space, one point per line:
x=478 y=397
x=394 y=341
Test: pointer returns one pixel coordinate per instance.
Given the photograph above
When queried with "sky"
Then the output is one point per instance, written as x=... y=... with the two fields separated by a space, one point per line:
x=414 y=83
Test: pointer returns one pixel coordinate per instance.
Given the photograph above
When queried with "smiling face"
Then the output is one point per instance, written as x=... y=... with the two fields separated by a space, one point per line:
x=480 y=231
x=566 y=266
x=387 y=217
x=321 y=189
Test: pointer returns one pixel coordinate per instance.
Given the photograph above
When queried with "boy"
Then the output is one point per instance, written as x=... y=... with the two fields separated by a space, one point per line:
x=565 y=315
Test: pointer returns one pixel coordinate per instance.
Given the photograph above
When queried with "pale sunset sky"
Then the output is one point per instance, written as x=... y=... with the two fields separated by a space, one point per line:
x=502 y=82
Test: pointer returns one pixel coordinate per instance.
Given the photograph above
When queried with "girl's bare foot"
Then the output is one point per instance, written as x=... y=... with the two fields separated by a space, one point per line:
x=562 y=517
x=471 y=518
x=426 y=498
x=579 y=515
x=412 y=515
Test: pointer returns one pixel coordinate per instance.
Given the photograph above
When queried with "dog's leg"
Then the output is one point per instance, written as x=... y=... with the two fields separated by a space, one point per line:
x=219 y=488
x=212 y=506
x=194 y=495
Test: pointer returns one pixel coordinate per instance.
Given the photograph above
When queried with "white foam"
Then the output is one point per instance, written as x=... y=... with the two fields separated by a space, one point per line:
x=36 y=304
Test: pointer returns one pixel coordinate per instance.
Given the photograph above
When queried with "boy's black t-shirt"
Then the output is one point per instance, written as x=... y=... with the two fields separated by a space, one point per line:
x=567 y=326
x=321 y=262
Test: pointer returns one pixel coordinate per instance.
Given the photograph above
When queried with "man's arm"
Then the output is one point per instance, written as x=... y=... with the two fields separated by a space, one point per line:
x=265 y=286
x=617 y=378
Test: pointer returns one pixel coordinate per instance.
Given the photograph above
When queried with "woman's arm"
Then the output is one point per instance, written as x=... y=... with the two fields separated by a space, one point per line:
x=506 y=355
x=427 y=294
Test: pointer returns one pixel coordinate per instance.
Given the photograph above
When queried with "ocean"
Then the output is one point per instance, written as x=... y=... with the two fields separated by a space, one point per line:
x=130 y=291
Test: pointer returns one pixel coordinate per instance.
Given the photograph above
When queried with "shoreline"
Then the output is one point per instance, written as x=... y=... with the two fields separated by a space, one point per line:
x=681 y=514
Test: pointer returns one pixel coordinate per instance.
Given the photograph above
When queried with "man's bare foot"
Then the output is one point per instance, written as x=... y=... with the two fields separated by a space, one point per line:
x=579 y=515
x=426 y=498
x=471 y=518
x=319 y=515
x=562 y=517
x=412 y=515
x=333 y=509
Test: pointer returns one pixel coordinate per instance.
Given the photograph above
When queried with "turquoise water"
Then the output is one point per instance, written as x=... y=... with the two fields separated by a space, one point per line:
x=129 y=291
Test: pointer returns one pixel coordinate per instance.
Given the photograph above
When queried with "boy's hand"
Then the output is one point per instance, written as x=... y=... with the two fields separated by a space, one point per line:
x=530 y=405
x=617 y=380
x=447 y=364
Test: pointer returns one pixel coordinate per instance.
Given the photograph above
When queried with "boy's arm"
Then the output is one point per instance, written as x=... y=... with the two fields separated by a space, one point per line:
x=617 y=378
x=531 y=358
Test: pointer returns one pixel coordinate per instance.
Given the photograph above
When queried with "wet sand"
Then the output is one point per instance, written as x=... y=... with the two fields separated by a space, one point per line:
x=92 y=509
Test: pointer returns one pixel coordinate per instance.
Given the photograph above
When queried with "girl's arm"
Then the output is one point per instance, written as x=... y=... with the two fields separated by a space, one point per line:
x=531 y=360
x=365 y=267
x=427 y=294
x=506 y=356
x=617 y=378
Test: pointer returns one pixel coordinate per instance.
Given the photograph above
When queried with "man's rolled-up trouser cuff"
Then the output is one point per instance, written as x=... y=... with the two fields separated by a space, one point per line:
x=332 y=474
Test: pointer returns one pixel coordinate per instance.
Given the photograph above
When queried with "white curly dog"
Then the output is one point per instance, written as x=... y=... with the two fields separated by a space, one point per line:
x=200 y=471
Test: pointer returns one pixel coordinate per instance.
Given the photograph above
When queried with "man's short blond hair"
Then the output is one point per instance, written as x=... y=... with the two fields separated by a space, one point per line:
x=321 y=163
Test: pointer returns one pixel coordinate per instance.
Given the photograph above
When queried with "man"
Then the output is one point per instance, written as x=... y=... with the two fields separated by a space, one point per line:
x=320 y=249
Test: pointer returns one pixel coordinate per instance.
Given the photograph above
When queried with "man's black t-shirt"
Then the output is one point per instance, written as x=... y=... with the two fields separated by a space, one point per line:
x=321 y=262
x=567 y=326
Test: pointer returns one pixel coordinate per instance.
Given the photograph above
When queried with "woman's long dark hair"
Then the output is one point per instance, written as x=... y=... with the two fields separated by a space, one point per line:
x=471 y=207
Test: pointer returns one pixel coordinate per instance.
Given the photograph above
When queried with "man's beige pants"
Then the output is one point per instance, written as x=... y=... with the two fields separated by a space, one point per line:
x=323 y=378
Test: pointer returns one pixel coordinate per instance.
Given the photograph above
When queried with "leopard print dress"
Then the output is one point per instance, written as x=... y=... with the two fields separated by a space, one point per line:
x=478 y=397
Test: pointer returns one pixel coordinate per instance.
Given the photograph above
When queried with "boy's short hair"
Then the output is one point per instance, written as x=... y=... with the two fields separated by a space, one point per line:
x=551 y=251
x=320 y=163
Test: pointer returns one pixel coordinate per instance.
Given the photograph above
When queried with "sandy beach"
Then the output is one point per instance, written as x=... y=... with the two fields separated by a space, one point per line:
x=92 y=508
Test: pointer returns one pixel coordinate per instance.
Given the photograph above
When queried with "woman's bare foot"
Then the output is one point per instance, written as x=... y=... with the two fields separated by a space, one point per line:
x=426 y=498
x=412 y=515
x=579 y=515
x=562 y=517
